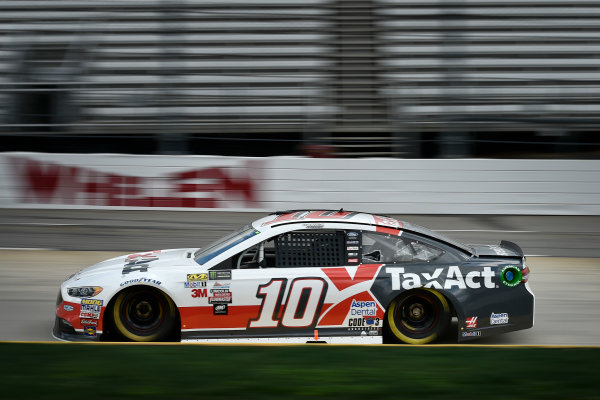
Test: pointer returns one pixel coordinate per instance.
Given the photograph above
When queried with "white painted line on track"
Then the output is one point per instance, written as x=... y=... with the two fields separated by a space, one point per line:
x=39 y=224
x=483 y=230
x=294 y=340
x=405 y=346
x=28 y=248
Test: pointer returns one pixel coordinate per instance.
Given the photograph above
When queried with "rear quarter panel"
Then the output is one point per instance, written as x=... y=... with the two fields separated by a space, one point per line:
x=474 y=288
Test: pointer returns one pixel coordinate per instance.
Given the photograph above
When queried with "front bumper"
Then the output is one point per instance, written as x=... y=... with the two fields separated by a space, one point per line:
x=63 y=330
x=70 y=324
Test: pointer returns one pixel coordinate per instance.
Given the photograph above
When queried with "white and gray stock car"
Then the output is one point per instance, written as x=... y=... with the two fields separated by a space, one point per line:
x=293 y=273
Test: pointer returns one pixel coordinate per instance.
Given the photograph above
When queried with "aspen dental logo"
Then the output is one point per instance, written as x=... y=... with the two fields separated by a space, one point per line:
x=499 y=319
x=441 y=278
x=368 y=308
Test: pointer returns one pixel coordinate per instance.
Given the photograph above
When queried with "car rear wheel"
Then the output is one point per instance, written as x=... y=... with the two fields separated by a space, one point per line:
x=144 y=315
x=418 y=316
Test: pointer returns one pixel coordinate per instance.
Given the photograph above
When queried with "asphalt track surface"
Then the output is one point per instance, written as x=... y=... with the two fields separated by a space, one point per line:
x=565 y=284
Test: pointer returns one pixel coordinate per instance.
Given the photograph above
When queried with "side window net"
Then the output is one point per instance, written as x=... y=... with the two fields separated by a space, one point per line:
x=310 y=249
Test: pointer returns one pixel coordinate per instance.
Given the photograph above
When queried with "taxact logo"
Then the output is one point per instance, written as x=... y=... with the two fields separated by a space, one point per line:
x=441 y=278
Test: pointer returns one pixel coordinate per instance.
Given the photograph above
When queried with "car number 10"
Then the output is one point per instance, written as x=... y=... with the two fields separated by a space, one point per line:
x=300 y=310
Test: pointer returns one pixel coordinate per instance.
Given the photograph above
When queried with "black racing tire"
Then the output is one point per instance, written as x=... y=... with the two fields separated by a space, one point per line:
x=144 y=314
x=418 y=317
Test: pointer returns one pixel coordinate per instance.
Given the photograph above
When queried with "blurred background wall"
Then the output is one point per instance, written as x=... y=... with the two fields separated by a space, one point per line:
x=326 y=78
x=378 y=185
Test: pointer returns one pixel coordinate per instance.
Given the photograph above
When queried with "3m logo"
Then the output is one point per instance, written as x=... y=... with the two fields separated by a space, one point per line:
x=199 y=293
x=472 y=322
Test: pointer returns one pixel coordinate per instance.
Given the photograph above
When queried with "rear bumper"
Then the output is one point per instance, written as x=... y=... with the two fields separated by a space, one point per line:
x=514 y=313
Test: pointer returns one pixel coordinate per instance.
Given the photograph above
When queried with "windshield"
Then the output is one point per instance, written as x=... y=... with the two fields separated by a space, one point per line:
x=223 y=244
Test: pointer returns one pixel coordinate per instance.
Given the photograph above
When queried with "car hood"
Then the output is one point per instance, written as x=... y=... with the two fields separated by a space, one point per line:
x=155 y=258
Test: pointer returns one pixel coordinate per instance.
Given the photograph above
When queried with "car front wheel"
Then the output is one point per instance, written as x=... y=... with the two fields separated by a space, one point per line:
x=144 y=315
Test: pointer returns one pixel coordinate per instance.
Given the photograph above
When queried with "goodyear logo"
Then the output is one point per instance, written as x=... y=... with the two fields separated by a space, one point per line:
x=92 y=302
x=197 y=277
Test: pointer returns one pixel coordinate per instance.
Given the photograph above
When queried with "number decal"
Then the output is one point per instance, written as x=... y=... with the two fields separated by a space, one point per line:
x=139 y=262
x=132 y=266
x=305 y=298
x=303 y=305
x=271 y=294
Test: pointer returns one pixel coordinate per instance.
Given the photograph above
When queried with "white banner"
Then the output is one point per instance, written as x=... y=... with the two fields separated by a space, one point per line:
x=390 y=186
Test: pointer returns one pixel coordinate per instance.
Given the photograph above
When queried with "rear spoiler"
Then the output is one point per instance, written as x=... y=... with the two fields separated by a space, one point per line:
x=512 y=247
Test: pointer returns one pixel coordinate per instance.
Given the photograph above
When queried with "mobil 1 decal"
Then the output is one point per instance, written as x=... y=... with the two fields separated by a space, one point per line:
x=300 y=309
x=392 y=278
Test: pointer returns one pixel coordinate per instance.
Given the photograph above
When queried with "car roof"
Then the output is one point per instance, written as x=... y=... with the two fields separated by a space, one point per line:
x=352 y=217
x=308 y=216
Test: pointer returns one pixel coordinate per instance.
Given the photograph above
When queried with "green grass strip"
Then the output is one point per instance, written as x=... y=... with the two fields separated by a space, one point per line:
x=76 y=371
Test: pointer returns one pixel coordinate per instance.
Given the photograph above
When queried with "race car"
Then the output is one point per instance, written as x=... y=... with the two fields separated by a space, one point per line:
x=294 y=274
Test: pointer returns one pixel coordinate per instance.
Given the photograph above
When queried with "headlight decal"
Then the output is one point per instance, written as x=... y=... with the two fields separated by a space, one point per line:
x=84 y=291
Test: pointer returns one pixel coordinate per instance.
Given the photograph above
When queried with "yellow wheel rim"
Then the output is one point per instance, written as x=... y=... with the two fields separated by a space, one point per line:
x=407 y=339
